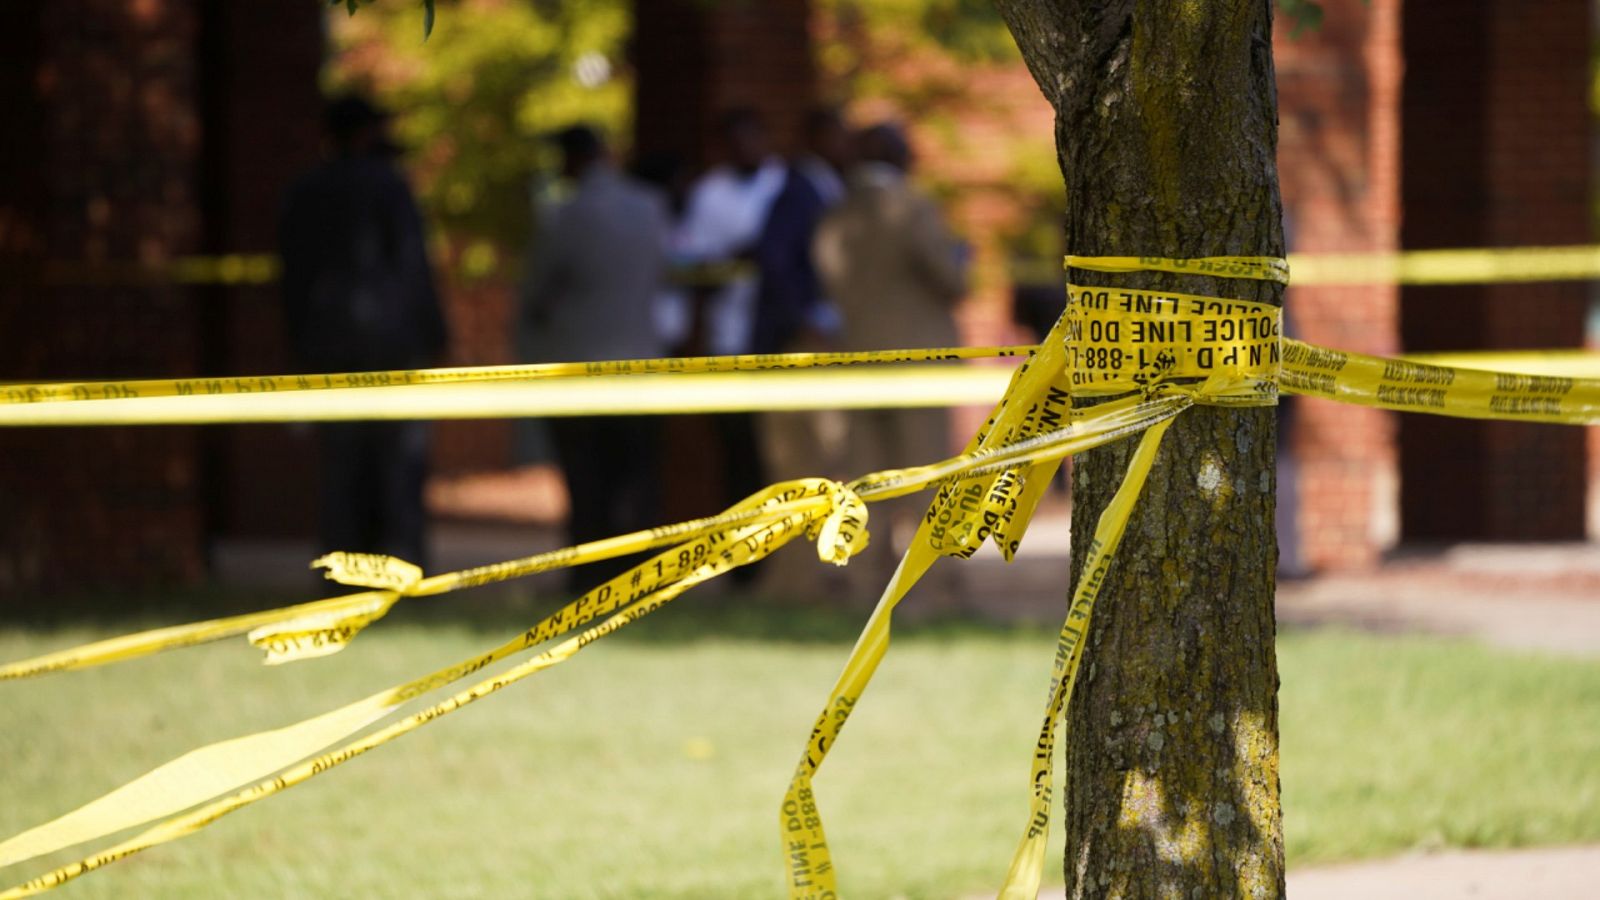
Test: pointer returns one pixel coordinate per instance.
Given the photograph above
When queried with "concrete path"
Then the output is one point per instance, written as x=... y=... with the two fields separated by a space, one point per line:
x=1551 y=873
x=1543 y=597
x=1556 y=873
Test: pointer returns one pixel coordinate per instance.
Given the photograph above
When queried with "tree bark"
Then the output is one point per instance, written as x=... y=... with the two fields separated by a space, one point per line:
x=1166 y=131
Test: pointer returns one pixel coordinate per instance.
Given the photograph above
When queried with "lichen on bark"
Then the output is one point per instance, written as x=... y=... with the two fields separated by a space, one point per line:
x=1166 y=130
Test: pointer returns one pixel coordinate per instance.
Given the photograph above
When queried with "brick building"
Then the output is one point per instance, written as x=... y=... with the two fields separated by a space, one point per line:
x=142 y=130
x=1423 y=124
x=137 y=132
x=145 y=130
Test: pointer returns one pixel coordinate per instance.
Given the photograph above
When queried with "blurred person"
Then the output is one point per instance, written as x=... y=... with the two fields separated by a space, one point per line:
x=791 y=311
x=592 y=276
x=667 y=175
x=726 y=210
x=359 y=295
x=794 y=315
x=896 y=273
x=722 y=223
x=1036 y=307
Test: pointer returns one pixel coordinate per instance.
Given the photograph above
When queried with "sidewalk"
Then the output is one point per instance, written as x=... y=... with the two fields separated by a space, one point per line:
x=1554 y=873
x=1543 y=597
x=1547 y=873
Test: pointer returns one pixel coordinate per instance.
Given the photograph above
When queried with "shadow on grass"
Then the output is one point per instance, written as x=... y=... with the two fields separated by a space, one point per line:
x=138 y=607
x=697 y=615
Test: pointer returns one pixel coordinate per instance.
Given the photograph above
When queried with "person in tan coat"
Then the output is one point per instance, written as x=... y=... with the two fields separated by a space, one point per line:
x=896 y=273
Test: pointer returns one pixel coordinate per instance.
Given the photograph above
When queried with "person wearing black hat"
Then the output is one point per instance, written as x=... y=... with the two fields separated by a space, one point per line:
x=359 y=295
x=593 y=274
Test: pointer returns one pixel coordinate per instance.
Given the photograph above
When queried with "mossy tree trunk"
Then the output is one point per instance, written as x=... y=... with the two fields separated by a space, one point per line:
x=1166 y=130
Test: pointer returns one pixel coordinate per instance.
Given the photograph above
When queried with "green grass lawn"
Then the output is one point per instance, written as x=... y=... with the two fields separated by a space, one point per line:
x=653 y=764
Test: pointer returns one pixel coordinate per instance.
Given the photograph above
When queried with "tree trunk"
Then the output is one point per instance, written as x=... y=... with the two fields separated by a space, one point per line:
x=1166 y=130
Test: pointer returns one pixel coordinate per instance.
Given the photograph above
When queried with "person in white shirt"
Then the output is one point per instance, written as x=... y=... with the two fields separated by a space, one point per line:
x=727 y=209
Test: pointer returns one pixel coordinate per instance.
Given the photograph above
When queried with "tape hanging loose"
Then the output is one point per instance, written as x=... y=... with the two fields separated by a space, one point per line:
x=1162 y=351
x=316 y=626
x=1027 y=864
x=834 y=513
x=1104 y=343
x=777 y=514
x=1463 y=265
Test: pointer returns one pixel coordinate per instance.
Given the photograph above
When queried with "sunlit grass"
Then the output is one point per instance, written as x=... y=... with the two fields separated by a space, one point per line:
x=1391 y=744
x=653 y=764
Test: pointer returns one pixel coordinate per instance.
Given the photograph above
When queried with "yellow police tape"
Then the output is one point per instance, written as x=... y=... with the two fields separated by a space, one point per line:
x=775 y=391
x=750 y=530
x=698 y=384
x=833 y=513
x=802 y=381
x=1096 y=347
x=1162 y=351
x=1476 y=265
x=1469 y=265
x=232 y=269
x=1559 y=363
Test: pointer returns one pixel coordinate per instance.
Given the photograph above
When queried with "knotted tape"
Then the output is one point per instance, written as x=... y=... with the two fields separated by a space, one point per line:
x=1163 y=351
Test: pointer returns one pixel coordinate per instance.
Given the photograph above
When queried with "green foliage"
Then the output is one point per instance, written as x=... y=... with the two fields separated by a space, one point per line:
x=969 y=29
x=427 y=12
x=473 y=103
x=936 y=64
x=1302 y=15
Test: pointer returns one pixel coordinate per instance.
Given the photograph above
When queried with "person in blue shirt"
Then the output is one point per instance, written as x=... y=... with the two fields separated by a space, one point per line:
x=791 y=310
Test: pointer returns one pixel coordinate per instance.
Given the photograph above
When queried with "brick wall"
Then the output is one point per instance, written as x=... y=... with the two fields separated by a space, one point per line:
x=1497 y=153
x=1472 y=118
x=1338 y=166
x=103 y=166
x=261 y=115
x=479 y=312
x=692 y=60
x=141 y=132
